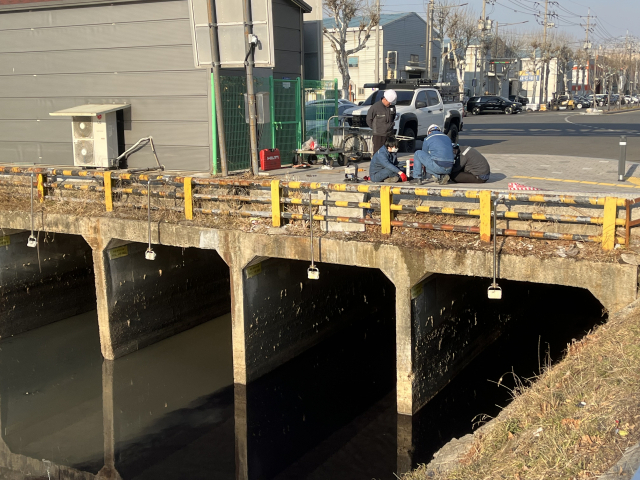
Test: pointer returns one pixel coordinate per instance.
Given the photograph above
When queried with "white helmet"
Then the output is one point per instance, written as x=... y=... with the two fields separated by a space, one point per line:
x=433 y=128
x=391 y=96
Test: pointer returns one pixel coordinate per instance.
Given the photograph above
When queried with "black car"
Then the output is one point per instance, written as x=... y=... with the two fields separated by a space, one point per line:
x=521 y=100
x=581 y=102
x=492 y=104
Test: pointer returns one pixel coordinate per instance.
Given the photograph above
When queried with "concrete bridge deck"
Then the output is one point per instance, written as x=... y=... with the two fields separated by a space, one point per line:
x=262 y=279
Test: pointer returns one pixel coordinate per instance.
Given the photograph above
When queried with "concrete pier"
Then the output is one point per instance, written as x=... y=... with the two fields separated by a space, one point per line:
x=136 y=308
x=42 y=285
x=141 y=302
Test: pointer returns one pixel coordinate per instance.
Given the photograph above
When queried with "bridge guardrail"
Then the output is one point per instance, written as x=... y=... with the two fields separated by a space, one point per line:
x=193 y=190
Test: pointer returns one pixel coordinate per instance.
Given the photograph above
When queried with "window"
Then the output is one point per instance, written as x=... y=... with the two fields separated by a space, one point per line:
x=414 y=58
x=353 y=62
x=433 y=97
x=422 y=97
x=360 y=91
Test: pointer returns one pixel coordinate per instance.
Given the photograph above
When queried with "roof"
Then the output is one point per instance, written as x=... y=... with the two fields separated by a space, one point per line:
x=306 y=8
x=385 y=19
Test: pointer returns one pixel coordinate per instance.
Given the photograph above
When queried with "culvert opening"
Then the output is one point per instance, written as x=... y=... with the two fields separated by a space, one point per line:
x=59 y=399
x=341 y=329
x=42 y=285
x=536 y=323
x=149 y=300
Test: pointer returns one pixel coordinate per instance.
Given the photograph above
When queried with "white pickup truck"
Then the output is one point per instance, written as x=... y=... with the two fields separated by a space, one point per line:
x=416 y=110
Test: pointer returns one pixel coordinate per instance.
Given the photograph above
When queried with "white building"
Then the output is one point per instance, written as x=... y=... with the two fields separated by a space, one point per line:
x=402 y=52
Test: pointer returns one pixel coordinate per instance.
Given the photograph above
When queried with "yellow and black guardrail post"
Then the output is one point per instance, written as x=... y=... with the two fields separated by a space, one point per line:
x=108 y=195
x=276 y=219
x=485 y=215
x=609 y=223
x=41 y=187
x=188 y=198
x=386 y=214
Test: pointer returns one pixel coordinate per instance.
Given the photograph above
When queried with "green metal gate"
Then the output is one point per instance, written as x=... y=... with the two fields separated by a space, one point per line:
x=286 y=117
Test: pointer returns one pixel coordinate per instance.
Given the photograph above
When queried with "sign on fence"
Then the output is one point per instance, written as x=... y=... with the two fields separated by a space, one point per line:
x=230 y=30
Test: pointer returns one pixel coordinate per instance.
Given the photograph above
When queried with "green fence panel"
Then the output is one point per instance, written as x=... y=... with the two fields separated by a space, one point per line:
x=320 y=104
x=233 y=91
x=286 y=117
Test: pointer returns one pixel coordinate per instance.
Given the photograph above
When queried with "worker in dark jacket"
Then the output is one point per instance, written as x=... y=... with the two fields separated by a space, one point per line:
x=384 y=164
x=470 y=166
x=381 y=118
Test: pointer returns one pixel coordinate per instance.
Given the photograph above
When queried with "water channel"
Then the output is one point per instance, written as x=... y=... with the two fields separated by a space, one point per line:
x=171 y=411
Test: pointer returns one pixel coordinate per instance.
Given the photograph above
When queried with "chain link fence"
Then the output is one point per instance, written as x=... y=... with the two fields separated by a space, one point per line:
x=283 y=126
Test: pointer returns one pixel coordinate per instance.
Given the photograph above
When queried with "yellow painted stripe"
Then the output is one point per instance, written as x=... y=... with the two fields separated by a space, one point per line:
x=108 y=197
x=634 y=181
x=188 y=199
x=275 y=203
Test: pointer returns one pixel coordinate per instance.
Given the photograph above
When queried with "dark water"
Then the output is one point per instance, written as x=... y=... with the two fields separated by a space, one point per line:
x=170 y=411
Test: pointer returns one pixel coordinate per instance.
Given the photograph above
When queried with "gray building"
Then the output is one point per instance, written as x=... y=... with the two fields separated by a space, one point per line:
x=59 y=54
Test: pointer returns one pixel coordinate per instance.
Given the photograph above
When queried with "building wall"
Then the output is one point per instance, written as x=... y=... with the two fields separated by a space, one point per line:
x=405 y=36
x=287 y=37
x=137 y=53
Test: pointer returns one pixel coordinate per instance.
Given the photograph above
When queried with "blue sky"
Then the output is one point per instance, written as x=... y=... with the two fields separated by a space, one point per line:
x=614 y=17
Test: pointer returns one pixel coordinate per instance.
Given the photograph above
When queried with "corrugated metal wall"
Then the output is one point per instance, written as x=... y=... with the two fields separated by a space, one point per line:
x=287 y=39
x=137 y=53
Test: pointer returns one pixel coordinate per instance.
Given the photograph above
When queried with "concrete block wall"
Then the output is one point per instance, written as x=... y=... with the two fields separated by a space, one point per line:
x=42 y=285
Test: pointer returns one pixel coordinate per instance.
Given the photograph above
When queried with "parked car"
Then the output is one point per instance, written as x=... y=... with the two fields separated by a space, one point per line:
x=417 y=107
x=492 y=104
x=521 y=100
x=582 y=102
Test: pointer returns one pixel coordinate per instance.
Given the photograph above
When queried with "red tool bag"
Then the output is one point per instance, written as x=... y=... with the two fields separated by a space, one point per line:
x=269 y=159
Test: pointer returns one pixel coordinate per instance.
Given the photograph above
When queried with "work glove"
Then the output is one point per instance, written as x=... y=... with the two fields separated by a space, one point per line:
x=403 y=176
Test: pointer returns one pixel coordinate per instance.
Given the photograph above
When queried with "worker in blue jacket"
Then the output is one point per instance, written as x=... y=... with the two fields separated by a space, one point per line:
x=436 y=157
x=384 y=164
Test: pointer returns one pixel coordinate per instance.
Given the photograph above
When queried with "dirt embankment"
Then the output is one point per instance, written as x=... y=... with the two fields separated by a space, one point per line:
x=574 y=421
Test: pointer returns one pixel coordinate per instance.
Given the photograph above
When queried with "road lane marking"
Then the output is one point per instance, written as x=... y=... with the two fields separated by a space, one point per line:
x=634 y=180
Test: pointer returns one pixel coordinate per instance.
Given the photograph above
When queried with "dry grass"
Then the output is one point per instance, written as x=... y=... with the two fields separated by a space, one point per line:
x=574 y=421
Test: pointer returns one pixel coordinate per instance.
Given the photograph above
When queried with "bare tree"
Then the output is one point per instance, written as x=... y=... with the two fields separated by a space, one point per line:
x=561 y=49
x=343 y=12
x=533 y=42
x=462 y=32
x=443 y=11
x=508 y=46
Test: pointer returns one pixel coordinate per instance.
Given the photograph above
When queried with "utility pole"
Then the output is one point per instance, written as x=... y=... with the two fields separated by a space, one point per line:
x=377 y=71
x=587 y=47
x=250 y=41
x=482 y=59
x=430 y=8
x=544 y=53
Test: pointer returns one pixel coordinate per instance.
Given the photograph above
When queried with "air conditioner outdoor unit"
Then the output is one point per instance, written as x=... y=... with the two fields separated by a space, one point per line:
x=94 y=134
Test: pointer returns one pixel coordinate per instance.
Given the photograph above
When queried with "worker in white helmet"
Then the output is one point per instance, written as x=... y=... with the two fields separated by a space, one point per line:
x=436 y=157
x=381 y=118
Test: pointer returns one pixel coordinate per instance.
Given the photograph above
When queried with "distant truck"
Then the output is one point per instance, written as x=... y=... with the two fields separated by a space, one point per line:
x=418 y=106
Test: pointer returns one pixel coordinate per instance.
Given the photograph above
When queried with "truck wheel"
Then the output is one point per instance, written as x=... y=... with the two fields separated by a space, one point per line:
x=508 y=110
x=579 y=106
x=408 y=145
x=476 y=110
x=453 y=133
